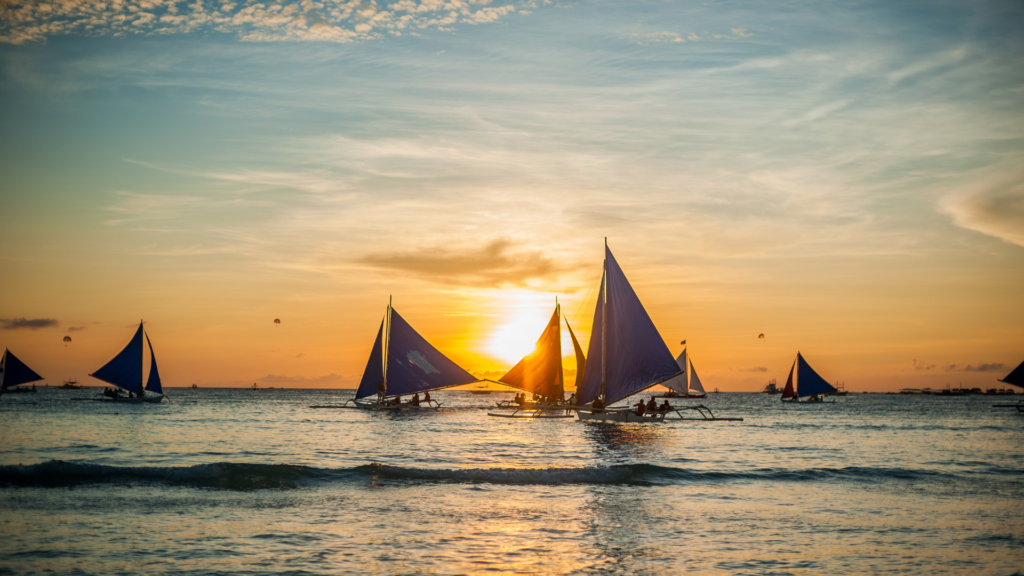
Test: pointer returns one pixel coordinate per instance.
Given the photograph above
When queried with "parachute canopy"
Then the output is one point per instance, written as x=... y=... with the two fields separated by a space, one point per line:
x=277 y=320
x=67 y=338
x=761 y=336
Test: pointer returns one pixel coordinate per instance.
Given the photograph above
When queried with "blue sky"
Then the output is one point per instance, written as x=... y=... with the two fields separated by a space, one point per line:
x=844 y=174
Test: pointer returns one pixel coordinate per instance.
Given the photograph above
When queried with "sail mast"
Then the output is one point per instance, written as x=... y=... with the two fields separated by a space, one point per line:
x=384 y=344
x=604 y=320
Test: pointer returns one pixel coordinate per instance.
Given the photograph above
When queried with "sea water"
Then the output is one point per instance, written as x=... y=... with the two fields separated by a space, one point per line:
x=258 y=482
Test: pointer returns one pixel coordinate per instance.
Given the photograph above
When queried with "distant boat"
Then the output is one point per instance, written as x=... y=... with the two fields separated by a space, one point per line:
x=126 y=371
x=404 y=363
x=808 y=387
x=13 y=373
x=687 y=384
x=772 y=388
x=70 y=385
x=627 y=354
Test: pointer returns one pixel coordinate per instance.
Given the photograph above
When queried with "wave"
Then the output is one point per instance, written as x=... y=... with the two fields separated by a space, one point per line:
x=240 y=476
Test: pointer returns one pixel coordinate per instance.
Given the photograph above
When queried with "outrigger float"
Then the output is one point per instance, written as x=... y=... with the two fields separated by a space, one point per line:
x=402 y=363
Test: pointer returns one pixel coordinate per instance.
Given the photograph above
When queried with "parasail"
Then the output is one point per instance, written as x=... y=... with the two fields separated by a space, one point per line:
x=761 y=336
x=67 y=338
x=277 y=320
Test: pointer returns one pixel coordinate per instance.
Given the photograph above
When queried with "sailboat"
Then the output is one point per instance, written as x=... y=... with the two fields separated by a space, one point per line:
x=13 y=373
x=125 y=372
x=633 y=357
x=808 y=387
x=540 y=372
x=687 y=384
x=405 y=363
x=1015 y=378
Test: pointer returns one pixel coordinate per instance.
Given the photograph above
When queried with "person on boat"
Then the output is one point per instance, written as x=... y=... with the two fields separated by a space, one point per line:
x=426 y=398
x=415 y=399
x=652 y=404
x=665 y=406
x=597 y=404
x=396 y=401
x=640 y=407
x=381 y=391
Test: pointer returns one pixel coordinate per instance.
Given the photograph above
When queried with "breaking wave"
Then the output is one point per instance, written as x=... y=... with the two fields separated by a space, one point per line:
x=238 y=476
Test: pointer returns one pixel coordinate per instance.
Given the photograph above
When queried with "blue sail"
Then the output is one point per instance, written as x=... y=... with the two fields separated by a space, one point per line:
x=1016 y=377
x=16 y=372
x=125 y=370
x=635 y=356
x=153 y=383
x=416 y=366
x=374 y=372
x=808 y=383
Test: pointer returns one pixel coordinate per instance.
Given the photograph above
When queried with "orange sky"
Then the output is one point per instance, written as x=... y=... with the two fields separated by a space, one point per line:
x=847 y=182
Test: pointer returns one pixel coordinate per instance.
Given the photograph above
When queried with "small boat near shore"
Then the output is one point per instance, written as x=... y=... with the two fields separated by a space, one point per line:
x=632 y=355
x=808 y=387
x=126 y=371
x=403 y=363
x=687 y=384
x=14 y=373
x=70 y=385
x=1014 y=378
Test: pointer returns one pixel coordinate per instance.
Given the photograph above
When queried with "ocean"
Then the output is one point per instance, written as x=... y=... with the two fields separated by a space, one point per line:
x=238 y=481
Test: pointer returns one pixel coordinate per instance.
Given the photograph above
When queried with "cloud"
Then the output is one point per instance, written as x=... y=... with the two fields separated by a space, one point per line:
x=660 y=37
x=994 y=207
x=922 y=365
x=754 y=369
x=983 y=367
x=493 y=264
x=340 y=21
x=331 y=380
x=75 y=328
x=23 y=323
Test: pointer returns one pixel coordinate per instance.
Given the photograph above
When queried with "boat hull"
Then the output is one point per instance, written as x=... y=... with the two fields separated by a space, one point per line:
x=123 y=400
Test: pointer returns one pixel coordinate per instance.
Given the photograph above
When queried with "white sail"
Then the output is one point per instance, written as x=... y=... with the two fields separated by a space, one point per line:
x=695 y=385
x=678 y=383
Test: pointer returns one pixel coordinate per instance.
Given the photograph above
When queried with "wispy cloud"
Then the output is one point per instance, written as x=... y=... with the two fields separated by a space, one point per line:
x=282 y=20
x=331 y=380
x=983 y=367
x=993 y=206
x=28 y=324
x=922 y=365
x=754 y=369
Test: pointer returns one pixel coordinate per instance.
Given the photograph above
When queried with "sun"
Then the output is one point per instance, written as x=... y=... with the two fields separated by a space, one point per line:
x=515 y=339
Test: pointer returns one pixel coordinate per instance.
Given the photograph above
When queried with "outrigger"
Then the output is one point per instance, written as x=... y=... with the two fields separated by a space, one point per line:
x=403 y=363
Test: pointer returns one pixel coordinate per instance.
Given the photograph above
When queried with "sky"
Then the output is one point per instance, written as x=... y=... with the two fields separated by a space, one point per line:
x=845 y=178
